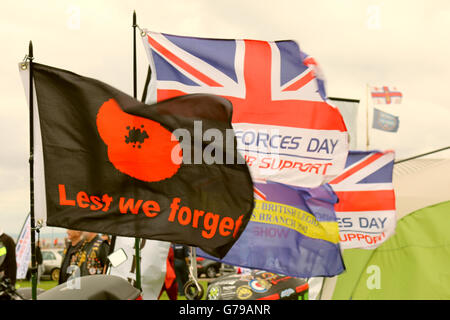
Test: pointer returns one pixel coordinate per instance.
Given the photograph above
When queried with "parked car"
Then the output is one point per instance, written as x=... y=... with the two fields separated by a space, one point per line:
x=208 y=267
x=227 y=269
x=51 y=261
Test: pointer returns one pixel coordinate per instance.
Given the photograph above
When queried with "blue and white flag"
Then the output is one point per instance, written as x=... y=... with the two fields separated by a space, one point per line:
x=293 y=231
x=23 y=249
x=385 y=121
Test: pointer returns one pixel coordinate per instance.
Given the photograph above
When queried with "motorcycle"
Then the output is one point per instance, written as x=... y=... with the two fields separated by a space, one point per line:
x=93 y=287
x=257 y=285
x=8 y=291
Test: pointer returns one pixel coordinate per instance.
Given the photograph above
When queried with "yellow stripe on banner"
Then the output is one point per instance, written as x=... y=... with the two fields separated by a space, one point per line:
x=2 y=251
x=295 y=219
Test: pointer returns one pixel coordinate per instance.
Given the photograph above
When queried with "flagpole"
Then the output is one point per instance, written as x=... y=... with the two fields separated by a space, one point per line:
x=137 y=241
x=31 y=162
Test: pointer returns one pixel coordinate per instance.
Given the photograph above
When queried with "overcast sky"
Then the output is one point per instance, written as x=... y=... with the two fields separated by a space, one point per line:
x=357 y=42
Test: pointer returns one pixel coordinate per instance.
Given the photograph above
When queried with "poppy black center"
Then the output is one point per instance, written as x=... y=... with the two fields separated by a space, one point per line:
x=136 y=136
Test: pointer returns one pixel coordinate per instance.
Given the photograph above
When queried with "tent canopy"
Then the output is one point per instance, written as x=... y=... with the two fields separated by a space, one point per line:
x=414 y=262
x=420 y=183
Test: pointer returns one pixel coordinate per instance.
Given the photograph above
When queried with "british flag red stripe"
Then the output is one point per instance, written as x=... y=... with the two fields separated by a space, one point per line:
x=298 y=84
x=355 y=168
x=374 y=200
x=182 y=64
x=258 y=194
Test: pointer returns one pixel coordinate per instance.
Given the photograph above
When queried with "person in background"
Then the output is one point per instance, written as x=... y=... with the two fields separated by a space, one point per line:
x=93 y=254
x=170 y=284
x=70 y=254
x=39 y=262
x=181 y=254
x=106 y=237
x=8 y=265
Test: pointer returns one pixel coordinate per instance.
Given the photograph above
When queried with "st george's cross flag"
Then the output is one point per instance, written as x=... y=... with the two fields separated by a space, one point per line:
x=366 y=206
x=285 y=128
x=114 y=165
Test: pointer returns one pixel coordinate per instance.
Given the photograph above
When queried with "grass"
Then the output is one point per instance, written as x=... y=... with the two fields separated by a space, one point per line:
x=203 y=283
x=44 y=284
x=49 y=284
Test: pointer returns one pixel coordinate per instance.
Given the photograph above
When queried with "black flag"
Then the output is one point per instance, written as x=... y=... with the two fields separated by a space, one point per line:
x=115 y=165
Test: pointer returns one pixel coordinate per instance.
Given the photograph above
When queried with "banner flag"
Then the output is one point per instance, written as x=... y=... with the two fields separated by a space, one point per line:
x=366 y=207
x=386 y=95
x=293 y=231
x=385 y=121
x=284 y=126
x=115 y=165
x=23 y=249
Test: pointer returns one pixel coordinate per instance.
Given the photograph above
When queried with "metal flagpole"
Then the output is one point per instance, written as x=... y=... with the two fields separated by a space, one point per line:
x=31 y=161
x=137 y=241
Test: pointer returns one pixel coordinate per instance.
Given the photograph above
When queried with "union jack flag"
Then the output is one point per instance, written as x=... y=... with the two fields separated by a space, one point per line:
x=258 y=194
x=273 y=86
x=366 y=207
x=260 y=78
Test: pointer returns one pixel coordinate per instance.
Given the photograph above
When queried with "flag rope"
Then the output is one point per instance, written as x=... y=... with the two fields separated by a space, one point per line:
x=421 y=155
